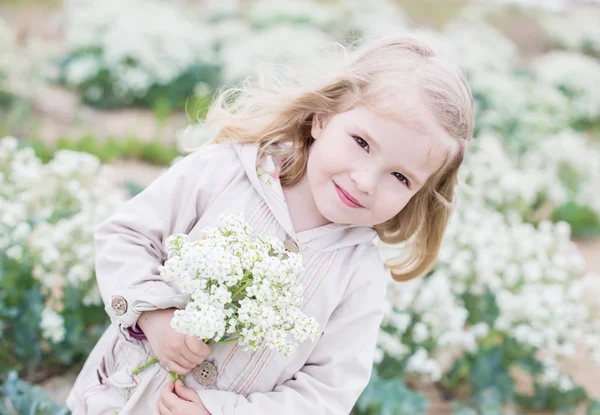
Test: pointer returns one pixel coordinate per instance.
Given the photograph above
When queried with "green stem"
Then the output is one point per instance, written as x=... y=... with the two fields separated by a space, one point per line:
x=228 y=340
x=149 y=363
x=242 y=288
x=137 y=370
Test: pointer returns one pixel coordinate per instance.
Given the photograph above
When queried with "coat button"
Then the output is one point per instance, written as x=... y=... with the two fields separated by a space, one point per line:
x=291 y=246
x=205 y=373
x=119 y=305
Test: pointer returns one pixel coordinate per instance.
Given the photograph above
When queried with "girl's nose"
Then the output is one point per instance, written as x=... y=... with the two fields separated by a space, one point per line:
x=365 y=181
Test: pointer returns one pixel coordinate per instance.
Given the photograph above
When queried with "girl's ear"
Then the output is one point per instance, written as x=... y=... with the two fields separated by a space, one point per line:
x=318 y=125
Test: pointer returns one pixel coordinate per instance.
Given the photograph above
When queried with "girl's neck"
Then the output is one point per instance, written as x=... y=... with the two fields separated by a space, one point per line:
x=302 y=207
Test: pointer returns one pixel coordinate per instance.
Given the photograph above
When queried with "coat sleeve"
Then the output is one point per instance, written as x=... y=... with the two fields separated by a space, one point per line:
x=336 y=373
x=130 y=244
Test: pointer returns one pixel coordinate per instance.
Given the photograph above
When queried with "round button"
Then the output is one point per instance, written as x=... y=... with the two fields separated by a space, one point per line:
x=205 y=373
x=291 y=246
x=119 y=305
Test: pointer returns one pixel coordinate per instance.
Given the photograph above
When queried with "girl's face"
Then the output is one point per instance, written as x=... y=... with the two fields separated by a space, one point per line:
x=363 y=168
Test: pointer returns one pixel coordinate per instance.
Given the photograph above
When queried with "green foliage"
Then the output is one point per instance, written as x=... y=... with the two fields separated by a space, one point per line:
x=29 y=400
x=583 y=220
x=22 y=347
x=482 y=308
x=594 y=408
x=389 y=397
x=486 y=374
x=113 y=148
x=102 y=90
x=552 y=398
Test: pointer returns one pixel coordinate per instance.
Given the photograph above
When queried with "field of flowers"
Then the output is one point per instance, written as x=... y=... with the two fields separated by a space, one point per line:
x=494 y=328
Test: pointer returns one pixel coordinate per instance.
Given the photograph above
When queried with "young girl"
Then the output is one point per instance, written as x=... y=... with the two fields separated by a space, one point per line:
x=370 y=150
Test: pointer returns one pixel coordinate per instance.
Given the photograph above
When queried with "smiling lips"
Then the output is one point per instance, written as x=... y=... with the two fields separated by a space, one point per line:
x=347 y=198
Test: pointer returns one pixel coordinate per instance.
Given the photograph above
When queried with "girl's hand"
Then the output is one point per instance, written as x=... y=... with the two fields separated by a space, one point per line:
x=178 y=352
x=176 y=399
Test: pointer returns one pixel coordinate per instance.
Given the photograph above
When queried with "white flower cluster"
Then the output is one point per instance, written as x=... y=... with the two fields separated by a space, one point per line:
x=48 y=213
x=532 y=273
x=578 y=76
x=576 y=29
x=24 y=67
x=53 y=326
x=244 y=56
x=480 y=47
x=356 y=18
x=424 y=322
x=518 y=109
x=242 y=287
x=559 y=168
x=266 y=13
x=551 y=376
x=572 y=162
x=143 y=42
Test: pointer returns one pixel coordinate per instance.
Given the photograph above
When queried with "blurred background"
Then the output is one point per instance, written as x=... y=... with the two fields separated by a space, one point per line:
x=97 y=98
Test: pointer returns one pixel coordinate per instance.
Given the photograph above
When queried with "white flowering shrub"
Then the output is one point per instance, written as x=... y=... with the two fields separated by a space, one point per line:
x=358 y=19
x=553 y=180
x=243 y=57
x=136 y=52
x=574 y=29
x=577 y=76
x=501 y=292
x=480 y=47
x=265 y=13
x=50 y=304
x=518 y=109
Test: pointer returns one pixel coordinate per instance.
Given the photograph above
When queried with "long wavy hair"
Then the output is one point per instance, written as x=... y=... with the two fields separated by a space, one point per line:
x=272 y=109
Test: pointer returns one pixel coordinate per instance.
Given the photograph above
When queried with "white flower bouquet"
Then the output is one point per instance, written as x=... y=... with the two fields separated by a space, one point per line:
x=242 y=289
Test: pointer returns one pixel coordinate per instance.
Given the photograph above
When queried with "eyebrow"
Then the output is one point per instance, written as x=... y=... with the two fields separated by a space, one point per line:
x=404 y=171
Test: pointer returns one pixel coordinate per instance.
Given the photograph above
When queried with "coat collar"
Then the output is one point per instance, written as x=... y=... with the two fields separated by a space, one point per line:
x=265 y=179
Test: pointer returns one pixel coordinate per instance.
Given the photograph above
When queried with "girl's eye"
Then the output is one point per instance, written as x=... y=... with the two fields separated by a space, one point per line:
x=361 y=142
x=402 y=178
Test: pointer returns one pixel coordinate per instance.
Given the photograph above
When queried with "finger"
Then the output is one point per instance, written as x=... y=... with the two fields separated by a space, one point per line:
x=156 y=410
x=176 y=367
x=165 y=391
x=194 y=359
x=171 y=400
x=168 y=388
x=186 y=360
x=186 y=393
x=197 y=346
x=164 y=410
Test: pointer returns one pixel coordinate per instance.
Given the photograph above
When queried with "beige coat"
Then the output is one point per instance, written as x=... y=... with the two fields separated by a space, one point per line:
x=344 y=288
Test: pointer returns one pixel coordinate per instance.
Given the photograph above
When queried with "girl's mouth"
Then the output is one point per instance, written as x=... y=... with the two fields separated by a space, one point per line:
x=347 y=198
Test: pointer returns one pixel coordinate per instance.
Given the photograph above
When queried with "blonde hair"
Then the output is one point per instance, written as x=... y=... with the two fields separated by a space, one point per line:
x=272 y=111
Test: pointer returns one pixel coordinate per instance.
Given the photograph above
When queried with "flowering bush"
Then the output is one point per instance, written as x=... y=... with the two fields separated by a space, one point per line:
x=501 y=293
x=575 y=29
x=136 y=52
x=518 y=109
x=50 y=307
x=555 y=177
x=574 y=74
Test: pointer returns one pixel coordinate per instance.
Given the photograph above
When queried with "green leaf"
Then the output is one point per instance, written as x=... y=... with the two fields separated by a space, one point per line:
x=390 y=397
x=28 y=399
x=594 y=408
x=583 y=220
